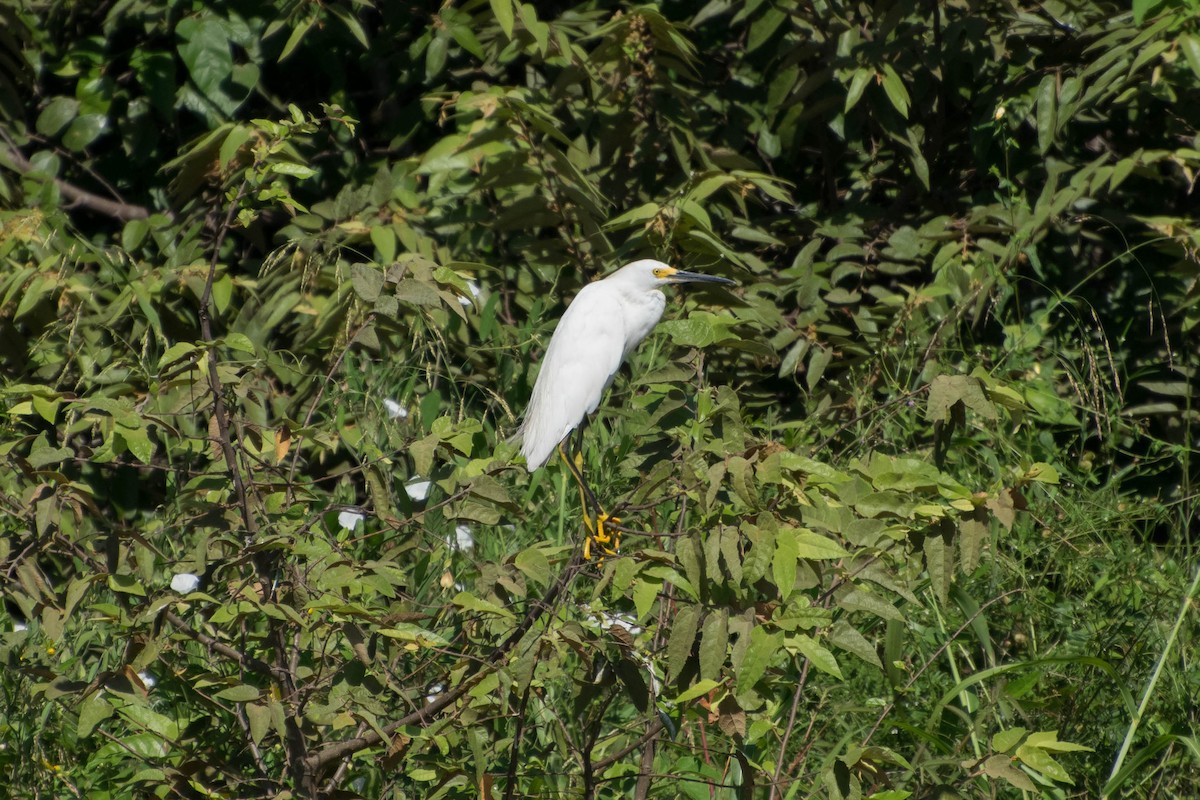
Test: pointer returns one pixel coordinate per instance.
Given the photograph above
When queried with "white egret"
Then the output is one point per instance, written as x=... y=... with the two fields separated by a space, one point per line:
x=605 y=321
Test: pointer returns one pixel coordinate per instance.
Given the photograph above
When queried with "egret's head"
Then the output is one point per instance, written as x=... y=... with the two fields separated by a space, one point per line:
x=653 y=274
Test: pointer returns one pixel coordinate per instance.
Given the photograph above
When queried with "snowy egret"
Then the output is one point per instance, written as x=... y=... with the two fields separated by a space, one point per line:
x=605 y=321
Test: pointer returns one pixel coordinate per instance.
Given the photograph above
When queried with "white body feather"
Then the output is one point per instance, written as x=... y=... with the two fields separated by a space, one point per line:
x=605 y=321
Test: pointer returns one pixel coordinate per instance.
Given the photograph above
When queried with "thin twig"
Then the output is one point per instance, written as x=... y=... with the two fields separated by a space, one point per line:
x=312 y=408
x=787 y=732
x=430 y=711
x=216 y=647
x=514 y=753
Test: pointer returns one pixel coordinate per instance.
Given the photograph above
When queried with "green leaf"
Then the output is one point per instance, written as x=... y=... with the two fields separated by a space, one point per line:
x=972 y=536
x=946 y=390
x=1143 y=8
x=763 y=28
x=205 y=52
x=894 y=88
x=57 y=115
x=816 y=547
x=422 y=452
x=762 y=554
x=1189 y=43
x=686 y=555
x=699 y=689
x=84 y=130
x=848 y=638
x=939 y=561
x=635 y=216
x=763 y=648
x=232 y=145
x=503 y=10
x=293 y=169
x=352 y=24
x=743 y=483
x=860 y=600
x=533 y=562
x=297 y=35
x=817 y=362
x=136 y=441
x=700 y=329
x=1000 y=766
x=43 y=455
x=1004 y=741
x=1043 y=762
x=407 y=632
x=914 y=138
x=1048 y=740
x=241 y=693
x=469 y=602
x=259 y=717
x=92 y=711
x=467 y=41
x=384 y=239
x=858 y=84
x=155 y=70
x=783 y=566
x=126 y=584
x=714 y=642
x=1041 y=472
x=148 y=719
x=539 y=30
x=1047 y=112
x=683 y=636
x=817 y=654
x=730 y=540
x=645 y=592
x=367 y=282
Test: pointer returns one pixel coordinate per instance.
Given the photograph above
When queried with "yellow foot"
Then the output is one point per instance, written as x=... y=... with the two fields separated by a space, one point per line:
x=608 y=543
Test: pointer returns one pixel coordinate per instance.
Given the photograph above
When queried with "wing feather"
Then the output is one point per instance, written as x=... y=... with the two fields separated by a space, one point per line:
x=585 y=353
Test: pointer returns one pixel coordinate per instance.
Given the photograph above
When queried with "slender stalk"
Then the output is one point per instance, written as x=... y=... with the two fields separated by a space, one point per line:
x=1189 y=602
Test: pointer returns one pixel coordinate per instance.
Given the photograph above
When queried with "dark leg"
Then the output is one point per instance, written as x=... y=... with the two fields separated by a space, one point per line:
x=594 y=516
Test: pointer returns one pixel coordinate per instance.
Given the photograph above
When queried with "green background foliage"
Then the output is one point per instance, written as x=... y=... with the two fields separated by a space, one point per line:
x=910 y=513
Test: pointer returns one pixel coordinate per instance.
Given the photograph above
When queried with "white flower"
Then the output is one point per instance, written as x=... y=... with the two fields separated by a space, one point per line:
x=394 y=410
x=473 y=288
x=350 y=519
x=625 y=621
x=418 y=489
x=607 y=620
x=184 y=582
x=463 y=539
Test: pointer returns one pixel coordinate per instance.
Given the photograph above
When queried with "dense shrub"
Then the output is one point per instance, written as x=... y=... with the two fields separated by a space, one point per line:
x=907 y=512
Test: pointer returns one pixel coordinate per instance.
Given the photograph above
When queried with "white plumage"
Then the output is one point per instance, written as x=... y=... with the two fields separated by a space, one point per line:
x=605 y=321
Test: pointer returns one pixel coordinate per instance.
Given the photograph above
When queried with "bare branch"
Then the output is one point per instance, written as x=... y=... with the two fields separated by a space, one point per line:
x=116 y=209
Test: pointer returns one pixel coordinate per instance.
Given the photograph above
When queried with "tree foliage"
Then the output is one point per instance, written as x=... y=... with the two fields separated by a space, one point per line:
x=907 y=512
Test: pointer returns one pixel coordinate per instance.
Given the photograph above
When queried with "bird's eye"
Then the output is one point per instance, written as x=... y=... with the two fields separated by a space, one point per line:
x=659 y=272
